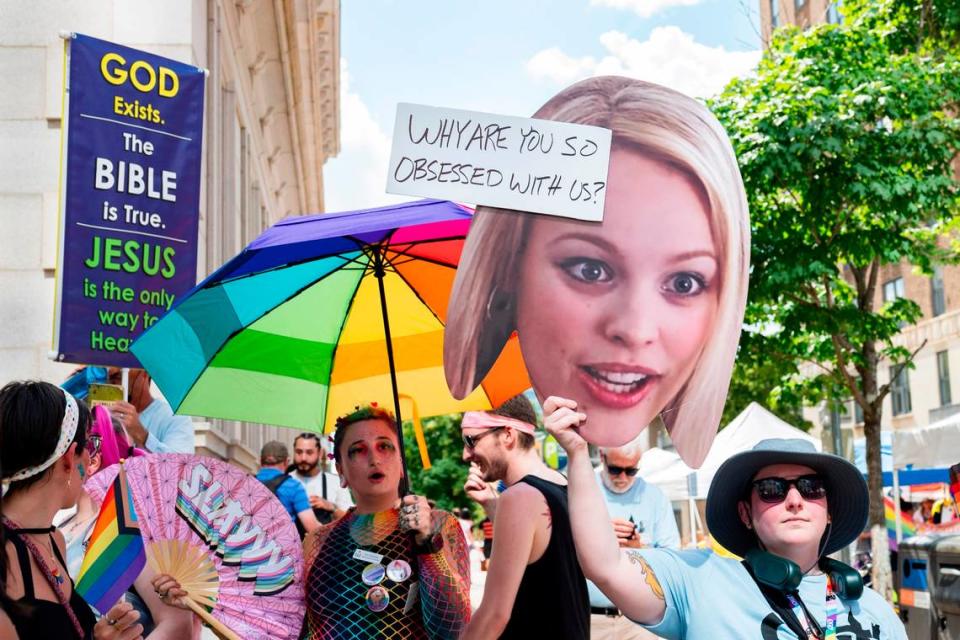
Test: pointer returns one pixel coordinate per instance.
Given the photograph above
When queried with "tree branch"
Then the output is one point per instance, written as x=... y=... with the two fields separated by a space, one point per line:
x=842 y=366
x=871 y=285
x=885 y=389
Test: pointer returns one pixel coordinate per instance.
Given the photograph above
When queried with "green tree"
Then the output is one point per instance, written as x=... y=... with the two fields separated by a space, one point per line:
x=443 y=482
x=757 y=379
x=845 y=138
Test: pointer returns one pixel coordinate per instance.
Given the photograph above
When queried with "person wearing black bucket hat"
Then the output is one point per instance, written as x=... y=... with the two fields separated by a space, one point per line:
x=783 y=506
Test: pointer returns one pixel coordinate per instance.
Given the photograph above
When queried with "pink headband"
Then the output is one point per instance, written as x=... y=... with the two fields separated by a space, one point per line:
x=484 y=420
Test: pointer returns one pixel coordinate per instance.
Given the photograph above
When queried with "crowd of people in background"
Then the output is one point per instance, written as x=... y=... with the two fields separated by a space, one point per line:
x=589 y=553
x=602 y=532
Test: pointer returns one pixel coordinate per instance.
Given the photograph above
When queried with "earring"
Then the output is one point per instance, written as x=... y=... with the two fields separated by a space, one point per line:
x=498 y=303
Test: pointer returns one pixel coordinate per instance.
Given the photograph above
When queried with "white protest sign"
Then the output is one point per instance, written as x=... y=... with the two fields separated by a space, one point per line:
x=526 y=164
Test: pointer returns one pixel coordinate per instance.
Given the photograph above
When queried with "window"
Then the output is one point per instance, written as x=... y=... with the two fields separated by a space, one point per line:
x=938 y=303
x=892 y=289
x=900 y=390
x=833 y=12
x=798 y=4
x=943 y=376
x=842 y=412
x=837 y=413
x=857 y=413
x=774 y=13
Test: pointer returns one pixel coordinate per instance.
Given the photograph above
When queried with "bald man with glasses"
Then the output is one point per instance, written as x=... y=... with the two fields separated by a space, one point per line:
x=641 y=516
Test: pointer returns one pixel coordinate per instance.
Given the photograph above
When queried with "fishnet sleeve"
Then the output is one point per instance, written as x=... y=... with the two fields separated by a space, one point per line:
x=445 y=581
x=312 y=544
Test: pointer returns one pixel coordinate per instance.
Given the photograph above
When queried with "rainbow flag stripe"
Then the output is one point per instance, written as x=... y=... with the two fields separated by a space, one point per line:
x=907 y=526
x=115 y=554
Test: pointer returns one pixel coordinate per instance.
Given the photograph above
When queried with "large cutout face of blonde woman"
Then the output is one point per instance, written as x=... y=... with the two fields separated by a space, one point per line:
x=615 y=315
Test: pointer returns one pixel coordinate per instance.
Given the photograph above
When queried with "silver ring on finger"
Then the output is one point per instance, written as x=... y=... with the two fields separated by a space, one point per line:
x=111 y=622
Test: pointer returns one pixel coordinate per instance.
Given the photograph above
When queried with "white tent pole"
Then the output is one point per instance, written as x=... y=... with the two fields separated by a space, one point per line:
x=692 y=503
x=896 y=502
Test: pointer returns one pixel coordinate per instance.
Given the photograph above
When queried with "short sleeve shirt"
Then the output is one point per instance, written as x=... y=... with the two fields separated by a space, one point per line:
x=335 y=493
x=650 y=509
x=711 y=597
x=291 y=493
x=166 y=431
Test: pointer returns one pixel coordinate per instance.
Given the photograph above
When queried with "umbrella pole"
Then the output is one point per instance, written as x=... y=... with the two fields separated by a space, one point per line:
x=379 y=271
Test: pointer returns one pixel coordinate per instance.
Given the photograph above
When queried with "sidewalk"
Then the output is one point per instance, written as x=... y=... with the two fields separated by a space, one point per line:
x=478 y=578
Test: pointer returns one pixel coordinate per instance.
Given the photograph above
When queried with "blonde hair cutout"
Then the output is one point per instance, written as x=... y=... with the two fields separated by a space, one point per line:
x=663 y=125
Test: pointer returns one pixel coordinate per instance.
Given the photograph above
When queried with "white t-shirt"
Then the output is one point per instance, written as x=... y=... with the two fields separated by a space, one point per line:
x=335 y=493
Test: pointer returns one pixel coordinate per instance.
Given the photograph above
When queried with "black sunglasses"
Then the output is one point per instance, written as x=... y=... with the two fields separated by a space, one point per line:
x=615 y=470
x=773 y=490
x=470 y=442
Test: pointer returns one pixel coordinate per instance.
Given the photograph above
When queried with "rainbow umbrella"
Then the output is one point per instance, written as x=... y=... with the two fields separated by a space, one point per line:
x=319 y=314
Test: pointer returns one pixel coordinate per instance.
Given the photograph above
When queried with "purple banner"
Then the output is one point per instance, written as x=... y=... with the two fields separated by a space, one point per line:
x=131 y=197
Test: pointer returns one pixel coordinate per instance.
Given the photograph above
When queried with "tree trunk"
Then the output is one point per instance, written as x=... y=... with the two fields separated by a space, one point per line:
x=880 y=547
x=881 y=574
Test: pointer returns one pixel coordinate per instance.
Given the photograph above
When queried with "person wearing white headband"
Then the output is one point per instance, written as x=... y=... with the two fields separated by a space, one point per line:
x=43 y=459
x=534 y=586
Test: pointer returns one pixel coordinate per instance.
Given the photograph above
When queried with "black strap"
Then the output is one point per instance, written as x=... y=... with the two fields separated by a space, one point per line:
x=36 y=530
x=274 y=483
x=323 y=481
x=26 y=573
x=780 y=605
x=56 y=552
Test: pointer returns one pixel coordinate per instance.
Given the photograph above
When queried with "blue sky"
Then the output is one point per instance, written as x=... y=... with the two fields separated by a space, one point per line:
x=510 y=56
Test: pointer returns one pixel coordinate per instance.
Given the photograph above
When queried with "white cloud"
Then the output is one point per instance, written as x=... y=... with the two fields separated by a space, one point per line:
x=643 y=8
x=357 y=177
x=669 y=57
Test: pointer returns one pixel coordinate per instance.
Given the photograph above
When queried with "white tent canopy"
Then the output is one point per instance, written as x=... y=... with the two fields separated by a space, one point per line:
x=750 y=427
x=936 y=445
x=667 y=471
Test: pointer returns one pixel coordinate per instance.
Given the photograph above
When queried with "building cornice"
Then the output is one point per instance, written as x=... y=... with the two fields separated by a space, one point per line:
x=284 y=56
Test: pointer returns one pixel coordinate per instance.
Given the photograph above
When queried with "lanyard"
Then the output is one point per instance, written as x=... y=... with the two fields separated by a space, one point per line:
x=810 y=626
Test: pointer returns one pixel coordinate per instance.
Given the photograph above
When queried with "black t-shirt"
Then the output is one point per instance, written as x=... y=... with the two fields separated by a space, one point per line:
x=552 y=601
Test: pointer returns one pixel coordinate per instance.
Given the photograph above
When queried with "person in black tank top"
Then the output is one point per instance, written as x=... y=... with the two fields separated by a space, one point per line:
x=534 y=587
x=553 y=584
x=43 y=433
x=37 y=618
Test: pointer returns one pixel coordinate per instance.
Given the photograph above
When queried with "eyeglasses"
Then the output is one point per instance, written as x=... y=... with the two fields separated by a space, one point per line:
x=93 y=444
x=470 y=442
x=775 y=490
x=614 y=470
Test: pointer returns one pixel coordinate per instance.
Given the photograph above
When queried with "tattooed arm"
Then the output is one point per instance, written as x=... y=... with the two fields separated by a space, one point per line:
x=445 y=581
x=515 y=543
x=631 y=586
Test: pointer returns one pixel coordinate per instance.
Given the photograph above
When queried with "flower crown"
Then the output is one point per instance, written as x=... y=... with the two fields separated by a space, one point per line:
x=366 y=412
